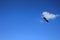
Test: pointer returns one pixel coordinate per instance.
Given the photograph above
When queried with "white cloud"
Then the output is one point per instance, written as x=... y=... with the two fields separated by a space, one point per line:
x=48 y=15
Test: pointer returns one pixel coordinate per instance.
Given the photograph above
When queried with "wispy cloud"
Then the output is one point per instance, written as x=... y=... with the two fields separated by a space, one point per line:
x=48 y=15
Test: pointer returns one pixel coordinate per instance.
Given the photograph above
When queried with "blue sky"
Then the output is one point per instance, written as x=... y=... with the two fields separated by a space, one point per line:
x=20 y=20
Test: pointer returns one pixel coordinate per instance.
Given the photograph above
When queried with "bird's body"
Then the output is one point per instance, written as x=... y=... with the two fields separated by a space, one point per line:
x=45 y=19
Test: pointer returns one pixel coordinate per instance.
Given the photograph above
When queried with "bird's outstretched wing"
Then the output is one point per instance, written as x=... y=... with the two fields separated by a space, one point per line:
x=45 y=19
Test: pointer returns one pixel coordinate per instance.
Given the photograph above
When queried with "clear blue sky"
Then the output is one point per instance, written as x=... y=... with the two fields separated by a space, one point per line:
x=20 y=20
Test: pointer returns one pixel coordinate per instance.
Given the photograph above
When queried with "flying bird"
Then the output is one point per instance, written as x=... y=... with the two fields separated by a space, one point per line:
x=45 y=19
x=47 y=16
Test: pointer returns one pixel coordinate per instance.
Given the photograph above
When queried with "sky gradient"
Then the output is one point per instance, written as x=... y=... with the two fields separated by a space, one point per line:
x=20 y=20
